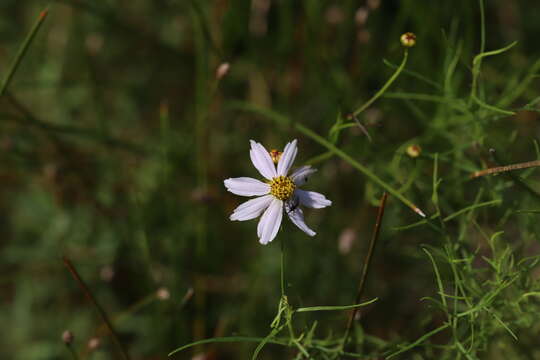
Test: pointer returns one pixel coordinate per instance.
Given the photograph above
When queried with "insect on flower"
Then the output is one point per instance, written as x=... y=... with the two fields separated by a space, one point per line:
x=280 y=192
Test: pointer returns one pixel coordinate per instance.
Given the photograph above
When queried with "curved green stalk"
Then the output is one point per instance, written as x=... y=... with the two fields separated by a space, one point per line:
x=385 y=86
x=336 y=308
x=22 y=51
x=285 y=121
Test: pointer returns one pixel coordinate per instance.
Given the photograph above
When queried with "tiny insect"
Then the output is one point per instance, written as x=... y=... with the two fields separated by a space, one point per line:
x=292 y=205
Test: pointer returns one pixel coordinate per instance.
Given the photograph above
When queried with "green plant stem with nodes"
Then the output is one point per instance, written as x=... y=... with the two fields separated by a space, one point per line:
x=365 y=270
x=338 y=127
x=282 y=320
x=477 y=63
x=98 y=307
x=285 y=121
x=22 y=51
x=285 y=312
x=385 y=87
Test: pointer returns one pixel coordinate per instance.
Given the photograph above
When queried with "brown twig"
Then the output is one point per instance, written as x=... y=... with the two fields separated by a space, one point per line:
x=499 y=169
x=98 y=307
x=365 y=270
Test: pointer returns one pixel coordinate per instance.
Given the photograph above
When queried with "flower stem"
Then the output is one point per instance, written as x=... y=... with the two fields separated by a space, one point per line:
x=285 y=121
x=364 y=170
x=282 y=268
x=72 y=352
x=385 y=86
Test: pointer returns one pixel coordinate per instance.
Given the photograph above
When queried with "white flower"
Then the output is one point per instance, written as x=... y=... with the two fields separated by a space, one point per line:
x=279 y=192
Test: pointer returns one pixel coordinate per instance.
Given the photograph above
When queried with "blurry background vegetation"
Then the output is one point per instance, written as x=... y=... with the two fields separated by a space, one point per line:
x=116 y=136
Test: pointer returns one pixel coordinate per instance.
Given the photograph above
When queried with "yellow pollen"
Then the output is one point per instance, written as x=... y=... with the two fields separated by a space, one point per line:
x=282 y=187
x=275 y=155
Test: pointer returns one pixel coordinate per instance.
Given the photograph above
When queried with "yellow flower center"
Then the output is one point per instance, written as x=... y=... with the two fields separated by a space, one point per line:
x=282 y=187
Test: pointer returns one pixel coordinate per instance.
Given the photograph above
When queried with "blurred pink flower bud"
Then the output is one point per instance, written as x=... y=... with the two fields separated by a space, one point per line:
x=222 y=70
x=346 y=240
x=67 y=337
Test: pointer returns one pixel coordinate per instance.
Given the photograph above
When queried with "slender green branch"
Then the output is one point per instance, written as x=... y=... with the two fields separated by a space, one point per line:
x=364 y=170
x=419 y=340
x=282 y=268
x=451 y=216
x=414 y=74
x=22 y=51
x=285 y=121
x=482 y=26
x=264 y=341
x=336 y=308
x=282 y=342
x=385 y=86
x=477 y=63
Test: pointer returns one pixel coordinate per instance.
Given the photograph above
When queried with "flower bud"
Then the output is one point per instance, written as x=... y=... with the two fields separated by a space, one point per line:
x=414 y=150
x=275 y=155
x=361 y=16
x=222 y=70
x=93 y=343
x=408 y=39
x=163 y=293
x=67 y=337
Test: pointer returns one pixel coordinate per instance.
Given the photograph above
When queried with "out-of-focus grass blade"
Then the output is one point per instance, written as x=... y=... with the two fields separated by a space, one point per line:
x=451 y=216
x=419 y=340
x=22 y=50
x=230 y=339
x=334 y=308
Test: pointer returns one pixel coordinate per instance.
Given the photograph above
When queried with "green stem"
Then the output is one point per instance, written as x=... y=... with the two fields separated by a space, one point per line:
x=478 y=64
x=284 y=121
x=282 y=268
x=385 y=86
x=322 y=141
x=22 y=51
x=72 y=352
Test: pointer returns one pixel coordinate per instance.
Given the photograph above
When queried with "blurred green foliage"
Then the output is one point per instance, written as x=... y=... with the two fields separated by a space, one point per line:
x=116 y=136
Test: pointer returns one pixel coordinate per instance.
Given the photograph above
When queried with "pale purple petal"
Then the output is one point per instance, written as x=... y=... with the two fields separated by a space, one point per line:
x=270 y=222
x=297 y=218
x=300 y=175
x=246 y=186
x=261 y=160
x=287 y=158
x=312 y=199
x=251 y=208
